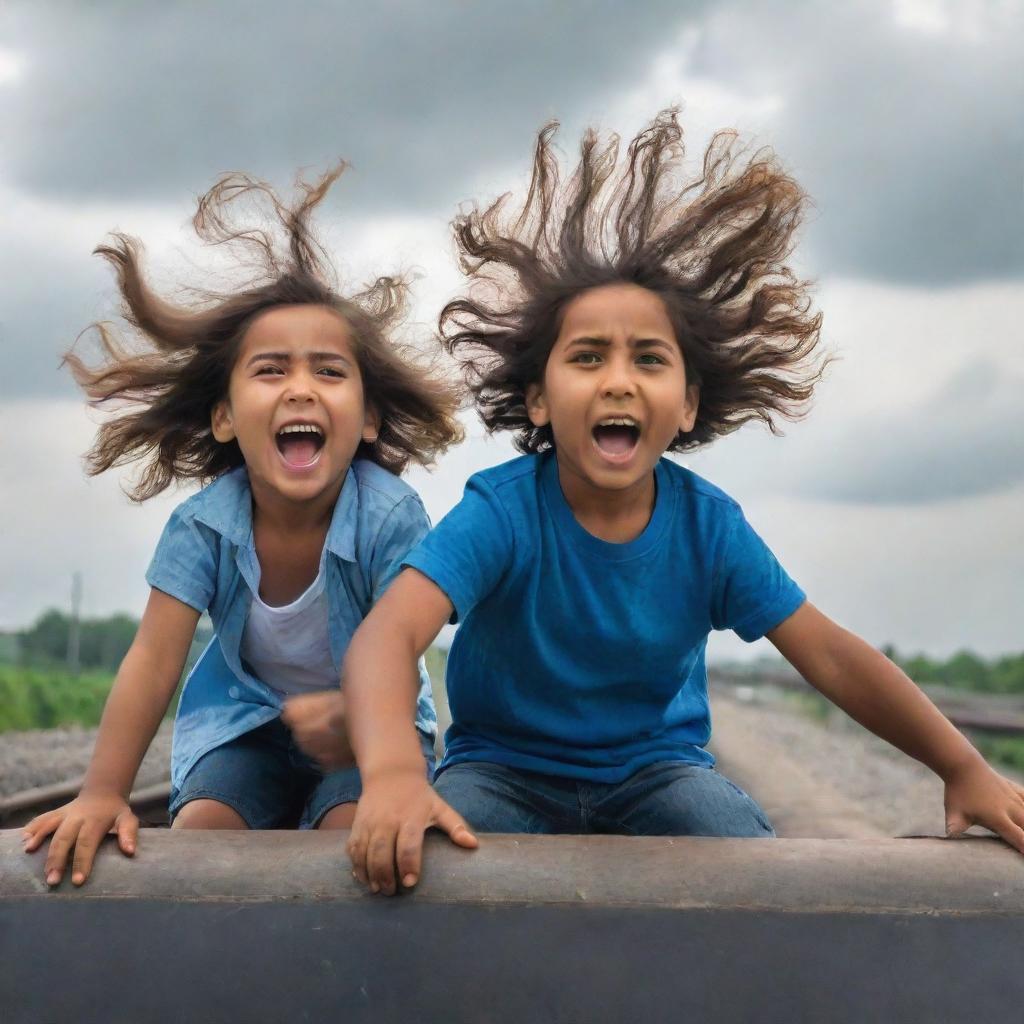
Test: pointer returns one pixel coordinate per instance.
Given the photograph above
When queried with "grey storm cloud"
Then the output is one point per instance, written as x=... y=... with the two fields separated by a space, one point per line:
x=963 y=442
x=143 y=100
x=910 y=139
x=911 y=143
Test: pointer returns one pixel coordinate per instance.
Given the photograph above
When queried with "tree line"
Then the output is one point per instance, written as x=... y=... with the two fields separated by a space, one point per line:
x=102 y=643
x=965 y=671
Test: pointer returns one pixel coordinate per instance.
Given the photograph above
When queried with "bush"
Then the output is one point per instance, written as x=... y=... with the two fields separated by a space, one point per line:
x=47 y=698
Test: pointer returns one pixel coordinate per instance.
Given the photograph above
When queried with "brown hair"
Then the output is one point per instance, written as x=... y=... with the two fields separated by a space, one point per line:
x=713 y=249
x=171 y=381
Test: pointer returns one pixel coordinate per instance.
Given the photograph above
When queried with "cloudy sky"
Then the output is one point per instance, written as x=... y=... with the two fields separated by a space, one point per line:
x=898 y=503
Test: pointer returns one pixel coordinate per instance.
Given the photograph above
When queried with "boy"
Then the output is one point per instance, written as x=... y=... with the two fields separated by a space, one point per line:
x=644 y=317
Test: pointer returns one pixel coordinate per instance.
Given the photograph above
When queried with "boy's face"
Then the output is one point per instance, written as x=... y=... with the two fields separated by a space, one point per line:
x=295 y=403
x=614 y=388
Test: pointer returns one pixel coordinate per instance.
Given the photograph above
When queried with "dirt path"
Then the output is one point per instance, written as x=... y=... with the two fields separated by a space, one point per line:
x=828 y=779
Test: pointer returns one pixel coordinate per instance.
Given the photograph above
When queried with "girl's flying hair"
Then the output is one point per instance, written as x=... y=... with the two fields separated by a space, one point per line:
x=713 y=249
x=168 y=384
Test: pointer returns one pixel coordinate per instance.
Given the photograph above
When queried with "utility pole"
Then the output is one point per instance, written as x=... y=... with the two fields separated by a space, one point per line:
x=74 y=632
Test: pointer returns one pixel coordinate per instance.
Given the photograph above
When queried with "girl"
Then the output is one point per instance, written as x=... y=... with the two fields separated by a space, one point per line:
x=620 y=317
x=293 y=402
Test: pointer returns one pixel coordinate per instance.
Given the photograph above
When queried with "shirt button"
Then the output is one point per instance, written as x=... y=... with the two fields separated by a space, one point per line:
x=233 y=692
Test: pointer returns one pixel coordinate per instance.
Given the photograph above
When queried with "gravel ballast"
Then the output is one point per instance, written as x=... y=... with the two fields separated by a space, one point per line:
x=857 y=777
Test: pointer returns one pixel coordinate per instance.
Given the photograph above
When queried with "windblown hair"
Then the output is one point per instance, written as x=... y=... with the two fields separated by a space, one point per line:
x=166 y=384
x=714 y=250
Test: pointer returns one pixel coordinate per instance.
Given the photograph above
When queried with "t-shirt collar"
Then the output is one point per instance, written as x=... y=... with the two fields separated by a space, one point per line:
x=649 y=537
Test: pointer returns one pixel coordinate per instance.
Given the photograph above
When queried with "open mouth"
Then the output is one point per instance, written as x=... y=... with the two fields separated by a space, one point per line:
x=616 y=436
x=299 y=444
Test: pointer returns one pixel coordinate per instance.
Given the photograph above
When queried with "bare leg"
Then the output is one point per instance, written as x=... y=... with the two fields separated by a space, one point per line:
x=209 y=814
x=339 y=816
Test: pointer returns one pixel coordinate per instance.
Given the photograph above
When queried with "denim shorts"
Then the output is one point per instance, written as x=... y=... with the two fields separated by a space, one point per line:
x=668 y=798
x=270 y=782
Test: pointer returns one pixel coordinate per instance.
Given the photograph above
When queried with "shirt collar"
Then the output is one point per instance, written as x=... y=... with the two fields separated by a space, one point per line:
x=226 y=506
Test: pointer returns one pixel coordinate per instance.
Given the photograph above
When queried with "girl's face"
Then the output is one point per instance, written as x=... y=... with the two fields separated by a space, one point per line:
x=614 y=389
x=295 y=403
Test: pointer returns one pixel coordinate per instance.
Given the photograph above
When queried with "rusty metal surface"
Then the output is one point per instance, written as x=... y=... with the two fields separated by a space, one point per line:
x=912 y=876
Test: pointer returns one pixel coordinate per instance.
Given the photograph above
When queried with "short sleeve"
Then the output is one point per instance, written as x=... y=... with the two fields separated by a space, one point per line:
x=752 y=593
x=184 y=564
x=469 y=551
x=403 y=528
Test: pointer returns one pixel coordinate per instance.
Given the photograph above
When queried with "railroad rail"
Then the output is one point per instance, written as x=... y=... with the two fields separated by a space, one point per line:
x=148 y=802
x=990 y=713
x=971 y=712
x=229 y=926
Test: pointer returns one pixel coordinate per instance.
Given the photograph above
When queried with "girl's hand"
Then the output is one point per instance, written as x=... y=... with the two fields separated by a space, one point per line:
x=976 y=795
x=317 y=721
x=81 y=825
x=391 y=817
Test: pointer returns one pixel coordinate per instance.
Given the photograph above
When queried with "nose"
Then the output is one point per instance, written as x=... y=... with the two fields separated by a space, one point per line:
x=300 y=387
x=617 y=381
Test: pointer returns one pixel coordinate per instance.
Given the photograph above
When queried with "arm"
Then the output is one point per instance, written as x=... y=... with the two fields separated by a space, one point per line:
x=317 y=720
x=876 y=693
x=381 y=683
x=137 y=702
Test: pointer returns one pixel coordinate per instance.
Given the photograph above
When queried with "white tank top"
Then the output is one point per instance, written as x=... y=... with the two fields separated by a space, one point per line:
x=289 y=647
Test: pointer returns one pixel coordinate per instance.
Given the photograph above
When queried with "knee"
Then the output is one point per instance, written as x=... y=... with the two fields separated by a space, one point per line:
x=339 y=816
x=735 y=814
x=208 y=814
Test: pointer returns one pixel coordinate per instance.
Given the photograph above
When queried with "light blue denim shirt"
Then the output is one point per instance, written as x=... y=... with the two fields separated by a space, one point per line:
x=206 y=558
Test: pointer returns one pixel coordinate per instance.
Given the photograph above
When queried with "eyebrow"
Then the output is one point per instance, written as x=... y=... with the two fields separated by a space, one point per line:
x=286 y=357
x=589 y=342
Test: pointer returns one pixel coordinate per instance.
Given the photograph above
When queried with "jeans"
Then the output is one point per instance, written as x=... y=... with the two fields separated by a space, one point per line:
x=266 y=778
x=668 y=798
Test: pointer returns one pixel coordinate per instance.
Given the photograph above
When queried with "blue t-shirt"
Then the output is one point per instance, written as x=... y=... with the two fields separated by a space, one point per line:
x=581 y=658
x=206 y=558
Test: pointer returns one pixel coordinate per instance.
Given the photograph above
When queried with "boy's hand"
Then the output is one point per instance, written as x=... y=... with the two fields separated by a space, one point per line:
x=81 y=825
x=317 y=721
x=391 y=817
x=976 y=795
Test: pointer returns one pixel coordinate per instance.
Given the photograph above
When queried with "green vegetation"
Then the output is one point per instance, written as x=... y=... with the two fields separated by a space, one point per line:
x=436 y=660
x=810 y=704
x=1007 y=750
x=37 y=690
x=101 y=646
x=46 y=698
x=965 y=671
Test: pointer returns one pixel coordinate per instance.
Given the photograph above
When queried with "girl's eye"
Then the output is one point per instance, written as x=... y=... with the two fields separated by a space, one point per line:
x=267 y=369
x=649 y=359
x=587 y=358
x=331 y=371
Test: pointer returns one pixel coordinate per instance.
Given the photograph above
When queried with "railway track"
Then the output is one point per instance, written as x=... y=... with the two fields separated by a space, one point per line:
x=148 y=802
x=994 y=716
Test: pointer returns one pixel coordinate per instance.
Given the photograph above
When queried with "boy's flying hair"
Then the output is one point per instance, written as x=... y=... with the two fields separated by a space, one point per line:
x=182 y=361
x=713 y=249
